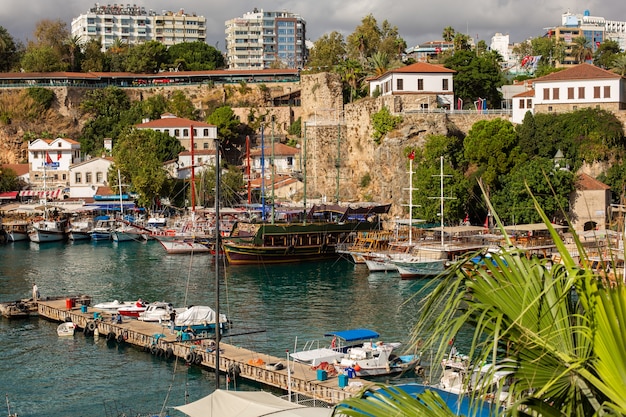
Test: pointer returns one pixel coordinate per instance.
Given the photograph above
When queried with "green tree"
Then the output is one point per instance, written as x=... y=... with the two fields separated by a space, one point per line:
x=9 y=181
x=74 y=45
x=181 y=106
x=94 y=60
x=448 y=33
x=352 y=77
x=9 y=55
x=139 y=155
x=116 y=55
x=227 y=124
x=379 y=63
x=146 y=58
x=491 y=147
x=42 y=59
x=365 y=39
x=476 y=76
x=51 y=33
x=513 y=198
x=231 y=185
x=606 y=53
x=194 y=56
x=108 y=108
x=327 y=52
x=581 y=49
x=383 y=122
x=618 y=65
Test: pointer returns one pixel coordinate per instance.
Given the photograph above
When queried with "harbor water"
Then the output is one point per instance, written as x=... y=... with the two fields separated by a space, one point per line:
x=271 y=306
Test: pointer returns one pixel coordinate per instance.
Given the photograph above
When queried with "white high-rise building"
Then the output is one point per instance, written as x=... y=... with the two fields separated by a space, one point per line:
x=262 y=39
x=134 y=25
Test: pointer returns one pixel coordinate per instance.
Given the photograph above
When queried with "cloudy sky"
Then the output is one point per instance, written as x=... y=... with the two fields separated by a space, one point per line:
x=417 y=21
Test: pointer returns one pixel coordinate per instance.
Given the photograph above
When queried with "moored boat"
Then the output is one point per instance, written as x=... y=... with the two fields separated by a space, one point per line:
x=48 y=231
x=133 y=310
x=66 y=329
x=185 y=245
x=254 y=243
x=16 y=230
x=199 y=319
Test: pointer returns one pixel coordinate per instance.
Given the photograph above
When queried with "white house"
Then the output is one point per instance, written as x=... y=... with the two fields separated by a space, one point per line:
x=433 y=84
x=286 y=160
x=52 y=158
x=202 y=160
x=87 y=176
x=578 y=87
x=204 y=134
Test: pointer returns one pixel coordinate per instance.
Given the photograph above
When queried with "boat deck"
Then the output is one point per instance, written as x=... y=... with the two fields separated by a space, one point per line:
x=233 y=360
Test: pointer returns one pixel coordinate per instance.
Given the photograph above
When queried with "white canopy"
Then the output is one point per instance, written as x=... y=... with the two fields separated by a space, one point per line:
x=196 y=315
x=248 y=404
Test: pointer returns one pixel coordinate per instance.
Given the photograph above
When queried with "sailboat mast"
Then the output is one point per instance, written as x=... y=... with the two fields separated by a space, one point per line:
x=262 y=173
x=411 y=156
x=217 y=263
x=441 y=195
x=193 y=173
x=248 y=169
x=119 y=184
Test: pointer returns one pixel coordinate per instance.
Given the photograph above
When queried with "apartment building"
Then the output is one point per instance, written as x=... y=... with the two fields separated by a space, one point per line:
x=264 y=39
x=135 y=25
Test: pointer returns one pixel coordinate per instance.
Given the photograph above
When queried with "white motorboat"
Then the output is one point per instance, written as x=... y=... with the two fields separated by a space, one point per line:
x=103 y=229
x=48 y=231
x=184 y=245
x=133 y=310
x=317 y=351
x=127 y=233
x=16 y=231
x=375 y=359
x=158 y=311
x=199 y=319
x=113 y=306
x=66 y=329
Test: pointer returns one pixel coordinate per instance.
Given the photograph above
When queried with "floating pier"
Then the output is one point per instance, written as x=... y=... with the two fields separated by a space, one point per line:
x=235 y=362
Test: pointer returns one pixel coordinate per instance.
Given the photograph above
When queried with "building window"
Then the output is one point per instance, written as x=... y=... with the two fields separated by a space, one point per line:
x=555 y=93
x=596 y=92
x=64 y=177
x=195 y=132
x=521 y=104
x=176 y=132
x=529 y=103
x=607 y=91
x=99 y=177
x=420 y=84
x=399 y=84
x=59 y=144
x=36 y=154
x=581 y=92
x=445 y=85
x=195 y=145
x=546 y=94
x=166 y=131
x=205 y=145
x=205 y=132
x=574 y=108
x=549 y=108
x=570 y=93
x=87 y=177
x=78 y=177
x=185 y=133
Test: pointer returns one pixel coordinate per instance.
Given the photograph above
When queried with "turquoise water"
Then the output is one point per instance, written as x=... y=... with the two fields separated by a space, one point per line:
x=47 y=375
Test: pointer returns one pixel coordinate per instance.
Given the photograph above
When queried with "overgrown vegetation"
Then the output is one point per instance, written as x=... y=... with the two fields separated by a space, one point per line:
x=383 y=122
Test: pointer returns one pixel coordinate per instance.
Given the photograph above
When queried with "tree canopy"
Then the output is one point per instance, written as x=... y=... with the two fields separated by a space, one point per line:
x=194 y=56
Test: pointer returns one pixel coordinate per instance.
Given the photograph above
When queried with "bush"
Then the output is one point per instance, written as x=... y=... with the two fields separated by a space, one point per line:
x=384 y=122
x=42 y=96
x=366 y=180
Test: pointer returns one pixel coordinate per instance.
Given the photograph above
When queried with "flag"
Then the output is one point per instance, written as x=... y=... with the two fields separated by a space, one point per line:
x=466 y=219
x=412 y=155
x=59 y=155
x=48 y=159
x=486 y=222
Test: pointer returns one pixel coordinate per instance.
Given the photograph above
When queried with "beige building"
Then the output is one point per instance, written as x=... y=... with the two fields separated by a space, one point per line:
x=588 y=204
x=87 y=176
x=204 y=134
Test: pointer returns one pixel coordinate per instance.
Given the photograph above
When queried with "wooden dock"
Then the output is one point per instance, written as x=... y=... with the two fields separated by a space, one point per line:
x=235 y=362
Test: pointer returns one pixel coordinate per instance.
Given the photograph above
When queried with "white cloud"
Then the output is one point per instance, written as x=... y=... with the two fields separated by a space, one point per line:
x=417 y=21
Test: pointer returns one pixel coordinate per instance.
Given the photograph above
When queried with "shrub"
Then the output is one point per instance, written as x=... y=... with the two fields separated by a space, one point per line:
x=42 y=96
x=383 y=122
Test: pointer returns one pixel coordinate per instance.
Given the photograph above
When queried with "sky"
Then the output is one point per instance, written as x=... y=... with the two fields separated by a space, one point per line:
x=417 y=21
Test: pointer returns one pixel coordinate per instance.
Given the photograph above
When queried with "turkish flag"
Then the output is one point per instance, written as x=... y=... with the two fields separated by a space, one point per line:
x=412 y=155
x=48 y=159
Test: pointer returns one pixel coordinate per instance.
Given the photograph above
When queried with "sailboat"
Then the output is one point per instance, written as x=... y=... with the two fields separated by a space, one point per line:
x=48 y=230
x=188 y=240
x=125 y=232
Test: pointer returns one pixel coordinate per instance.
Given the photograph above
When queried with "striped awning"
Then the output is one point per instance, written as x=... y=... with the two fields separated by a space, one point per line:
x=51 y=194
x=8 y=195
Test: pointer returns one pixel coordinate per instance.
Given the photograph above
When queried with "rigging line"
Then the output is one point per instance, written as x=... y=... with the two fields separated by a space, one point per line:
x=169 y=390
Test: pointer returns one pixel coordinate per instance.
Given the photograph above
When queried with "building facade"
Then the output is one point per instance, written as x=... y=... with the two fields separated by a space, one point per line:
x=50 y=161
x=134 y=25
x=87 y=176
x=265 y=39
x=204 y=134
x=575 y=88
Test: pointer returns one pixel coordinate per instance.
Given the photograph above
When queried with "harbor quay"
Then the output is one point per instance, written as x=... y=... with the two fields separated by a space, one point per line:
x=235 y=362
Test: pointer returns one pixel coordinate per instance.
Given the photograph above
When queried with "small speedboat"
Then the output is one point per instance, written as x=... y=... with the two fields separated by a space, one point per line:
x=133 y=310
x=113 y=306
x=158 y=311
x=66 y=329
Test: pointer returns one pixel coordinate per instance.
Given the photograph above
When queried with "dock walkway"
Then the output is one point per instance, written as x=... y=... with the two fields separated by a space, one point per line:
x=235 y=361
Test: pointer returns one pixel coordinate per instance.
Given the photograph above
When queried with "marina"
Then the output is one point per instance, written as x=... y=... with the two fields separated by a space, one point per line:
x=274 y=310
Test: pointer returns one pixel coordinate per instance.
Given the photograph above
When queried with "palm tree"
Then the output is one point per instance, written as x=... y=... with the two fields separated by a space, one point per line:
x=619 y=64
x=74 y=44
x=581 y=49
x=379 y=63
x=558 y=330
x=448 y=33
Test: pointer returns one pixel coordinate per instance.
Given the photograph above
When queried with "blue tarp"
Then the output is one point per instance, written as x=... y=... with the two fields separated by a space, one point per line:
x=354 y=334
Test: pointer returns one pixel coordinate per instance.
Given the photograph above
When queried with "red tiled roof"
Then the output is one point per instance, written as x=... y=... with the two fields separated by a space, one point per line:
x=19 y=169
x=279 y=149
x=586 y=182
x=171 y=122
x=198 y=152
x=579 y=72
x=529 y=93
x=104 y=190
x=419 y=68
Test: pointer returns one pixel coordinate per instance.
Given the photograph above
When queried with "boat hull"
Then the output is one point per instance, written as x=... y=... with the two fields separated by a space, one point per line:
x=14 y=236
x=79 y=235
x=241 y=254
x=420 y=269
x=42 y=236
x=184 y=246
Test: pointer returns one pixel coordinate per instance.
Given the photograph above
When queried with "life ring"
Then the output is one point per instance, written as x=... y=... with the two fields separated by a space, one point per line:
x=160 y=352
x=290 y=250
x=170 y=232
x=198 y=359
x=153 y=350
x=234 y=370
x=120 y=338
x=169 y=352
x=190 y=358
x=110 y=336
x=91 y=326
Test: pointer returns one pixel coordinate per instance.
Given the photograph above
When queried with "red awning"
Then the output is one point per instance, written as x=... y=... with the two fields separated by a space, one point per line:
x=9 y=195
x=52 y=194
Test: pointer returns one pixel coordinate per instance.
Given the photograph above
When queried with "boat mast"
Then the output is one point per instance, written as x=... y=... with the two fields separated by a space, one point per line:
x=262 y=173
x=441 y=194
x=193 y=179
x=119 y=184
x=217 y=263
x=273 y=173
x=304 y=174
x=411 y=157
x=248 y=169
